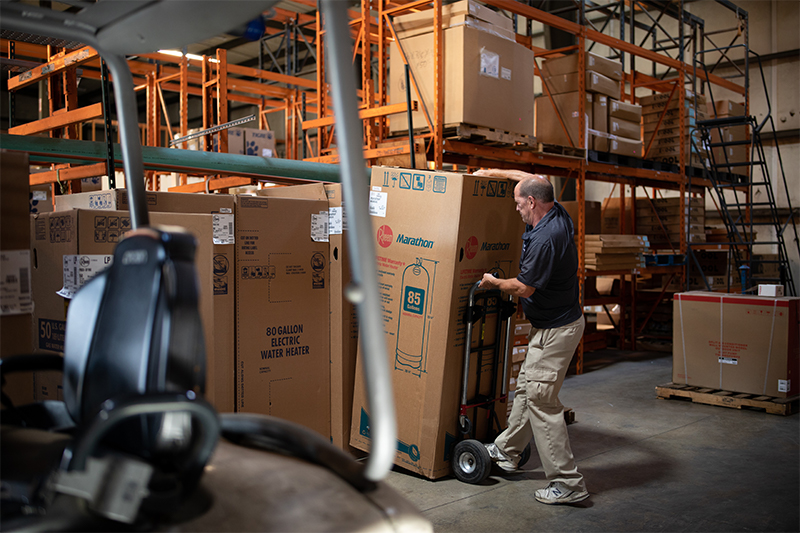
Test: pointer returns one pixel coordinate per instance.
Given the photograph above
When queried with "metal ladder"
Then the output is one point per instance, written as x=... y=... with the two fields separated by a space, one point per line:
x=747 y=201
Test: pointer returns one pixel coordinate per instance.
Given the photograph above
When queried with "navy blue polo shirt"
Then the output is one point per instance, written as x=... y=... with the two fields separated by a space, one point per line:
x=549 y=263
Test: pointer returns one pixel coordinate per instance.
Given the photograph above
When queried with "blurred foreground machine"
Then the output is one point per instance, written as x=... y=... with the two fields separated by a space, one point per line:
x=133 y=446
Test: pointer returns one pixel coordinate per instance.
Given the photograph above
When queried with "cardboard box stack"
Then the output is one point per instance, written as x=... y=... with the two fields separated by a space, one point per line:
x=560 y=76
x=16 y=304
x=282 y=309
x=654 y=216
x=738 y=343
x=71 y=247
x=489 y=76
x=219 y=355
x=624 y=130
x=739 y=153
x=436 y=234
x=343 y=319
x=615 y=252
x=666 y=139
x=522 y=328
x=248 y=141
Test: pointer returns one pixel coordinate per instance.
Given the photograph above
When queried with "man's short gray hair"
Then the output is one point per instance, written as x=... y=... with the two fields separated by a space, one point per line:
x=538 y=187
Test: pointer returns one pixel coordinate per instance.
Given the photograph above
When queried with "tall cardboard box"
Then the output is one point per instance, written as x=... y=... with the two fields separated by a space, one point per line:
x=600 y=122
x=70 y=247
x=548 y=126
x=16 y=305
x=738 y=343
x=282 y=310
x=220 y=363
x=489 y=80
x=259 y=142
x=436 y=234
x=343 y=320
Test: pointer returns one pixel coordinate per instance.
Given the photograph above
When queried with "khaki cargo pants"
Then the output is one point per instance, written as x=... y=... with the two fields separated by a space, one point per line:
x=536 y=410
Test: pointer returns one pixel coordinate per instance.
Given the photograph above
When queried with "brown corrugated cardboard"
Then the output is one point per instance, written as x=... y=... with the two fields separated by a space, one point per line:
x=343 y=320
x=259 y=142
x=426 y=26
x=489 y=80
x=220 y=206
x=593 y=215
x=627 y=147
x=727 y=108
x=548 y=126
x=597 y=83
x=669 y=124
x=235 y=141
x=624 y=128
x=737 y=343
x=625 y=111
x=600 y=122
x=672 y=114
x=564 y=65
x=422 y=22
x=16 y=322
x=282 y=302
x=92 y=235
x=437 y=233
x=659 y=107
x=664 y=97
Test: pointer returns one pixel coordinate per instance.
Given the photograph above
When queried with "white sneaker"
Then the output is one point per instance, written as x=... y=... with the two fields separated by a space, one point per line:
x=557 y=493
x=505 y=462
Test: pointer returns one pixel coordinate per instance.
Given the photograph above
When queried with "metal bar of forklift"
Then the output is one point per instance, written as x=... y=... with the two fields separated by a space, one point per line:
x=363 y=291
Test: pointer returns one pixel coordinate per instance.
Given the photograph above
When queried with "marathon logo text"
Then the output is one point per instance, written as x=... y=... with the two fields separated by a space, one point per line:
x=495 y=246
x=414 y=241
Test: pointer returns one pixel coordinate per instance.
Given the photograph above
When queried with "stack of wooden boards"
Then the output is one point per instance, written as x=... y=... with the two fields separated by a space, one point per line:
x=661 y=113
x=615 y=252
x=660 y=220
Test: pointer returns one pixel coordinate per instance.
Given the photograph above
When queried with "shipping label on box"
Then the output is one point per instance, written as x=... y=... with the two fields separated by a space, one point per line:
x=15 y=282
x=433 y=244
x=737 y=343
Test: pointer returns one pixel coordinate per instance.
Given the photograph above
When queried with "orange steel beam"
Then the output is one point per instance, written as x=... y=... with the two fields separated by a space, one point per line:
x=56 y=66
x=364 y=113
x=67 y=174
x=370 y=153
x=213 y=184
x=61 y=120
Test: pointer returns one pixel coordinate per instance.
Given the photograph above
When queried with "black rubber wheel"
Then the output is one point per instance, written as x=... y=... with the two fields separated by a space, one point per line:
x=525 y=455
x=471 y=461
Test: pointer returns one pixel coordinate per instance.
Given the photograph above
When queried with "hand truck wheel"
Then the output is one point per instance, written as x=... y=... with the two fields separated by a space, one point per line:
x=471 y=461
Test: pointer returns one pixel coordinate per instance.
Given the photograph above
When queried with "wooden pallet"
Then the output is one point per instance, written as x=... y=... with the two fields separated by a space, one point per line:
x=735 y=400
x=557 y=149
x=489 y=136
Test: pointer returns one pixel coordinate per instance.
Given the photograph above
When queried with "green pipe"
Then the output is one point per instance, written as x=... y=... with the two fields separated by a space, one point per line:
x=171 y=159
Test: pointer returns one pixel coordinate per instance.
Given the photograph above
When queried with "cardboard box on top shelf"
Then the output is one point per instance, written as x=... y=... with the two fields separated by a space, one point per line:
x=73 y=246
x=548 y=126
x=236 y=138
x=490 y=80
x=592 y=212
x=595 y=83
x=654 y=116
x=624 y=128
x=16 y=304
x=737 y=343
x=259 y=142
x=221 y=209
x=412 y=24
x=727 y=108
x=283 y=313
x=600 y=122
x=436 y=234
x=625 y=111
x=343 y=319
x=567 y=64
x=622 y=146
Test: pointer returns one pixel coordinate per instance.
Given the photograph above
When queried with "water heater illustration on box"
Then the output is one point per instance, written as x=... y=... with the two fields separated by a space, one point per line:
x=412 y=323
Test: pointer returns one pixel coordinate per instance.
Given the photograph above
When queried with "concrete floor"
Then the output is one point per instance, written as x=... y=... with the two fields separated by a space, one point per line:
x=650 y=465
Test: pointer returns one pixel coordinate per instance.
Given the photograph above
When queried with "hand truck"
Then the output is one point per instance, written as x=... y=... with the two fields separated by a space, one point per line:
x=471 y=462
